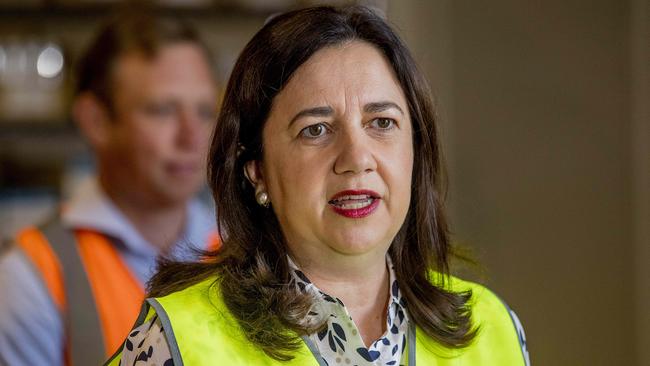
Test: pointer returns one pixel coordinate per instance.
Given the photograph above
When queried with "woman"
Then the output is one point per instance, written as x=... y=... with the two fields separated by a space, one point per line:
x=325 y=171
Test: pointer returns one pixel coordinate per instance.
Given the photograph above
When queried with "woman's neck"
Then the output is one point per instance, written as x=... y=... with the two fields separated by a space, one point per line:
x=362 y=286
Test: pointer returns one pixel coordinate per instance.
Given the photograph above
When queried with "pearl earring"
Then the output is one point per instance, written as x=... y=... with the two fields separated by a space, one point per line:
x=262 y=198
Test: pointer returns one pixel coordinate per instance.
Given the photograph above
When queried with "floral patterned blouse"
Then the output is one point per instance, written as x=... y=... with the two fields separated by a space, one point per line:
x=338 y=344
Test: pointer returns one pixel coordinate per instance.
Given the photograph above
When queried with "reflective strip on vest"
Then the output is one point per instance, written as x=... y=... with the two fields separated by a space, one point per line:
x=118 y=295
x=97 y=295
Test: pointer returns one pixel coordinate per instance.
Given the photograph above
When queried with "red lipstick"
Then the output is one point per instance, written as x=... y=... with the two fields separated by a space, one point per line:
x=355 y=203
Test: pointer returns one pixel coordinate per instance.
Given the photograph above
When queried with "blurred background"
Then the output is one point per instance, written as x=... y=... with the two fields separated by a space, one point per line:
x=545 y=123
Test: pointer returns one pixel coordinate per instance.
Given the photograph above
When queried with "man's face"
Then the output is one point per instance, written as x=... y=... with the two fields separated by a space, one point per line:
x=163 y=116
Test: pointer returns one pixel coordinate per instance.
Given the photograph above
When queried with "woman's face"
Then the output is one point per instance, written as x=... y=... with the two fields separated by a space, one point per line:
x=338 y=154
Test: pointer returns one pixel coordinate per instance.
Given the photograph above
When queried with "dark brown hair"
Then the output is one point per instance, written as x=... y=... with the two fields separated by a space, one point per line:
x=134 y=28
x=251 y=268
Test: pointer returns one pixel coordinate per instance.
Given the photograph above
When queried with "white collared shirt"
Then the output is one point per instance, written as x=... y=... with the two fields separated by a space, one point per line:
x=90 y=208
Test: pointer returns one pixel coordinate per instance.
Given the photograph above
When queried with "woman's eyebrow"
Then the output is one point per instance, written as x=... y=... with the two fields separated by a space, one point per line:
x=377 y=107
x=324 y=111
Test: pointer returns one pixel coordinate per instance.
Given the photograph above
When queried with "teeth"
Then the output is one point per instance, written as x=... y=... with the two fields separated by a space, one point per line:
x=354 y=205
x=353 y=197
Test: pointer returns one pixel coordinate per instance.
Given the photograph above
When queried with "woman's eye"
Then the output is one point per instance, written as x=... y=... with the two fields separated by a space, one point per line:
x=314 y=131
x=383 y=123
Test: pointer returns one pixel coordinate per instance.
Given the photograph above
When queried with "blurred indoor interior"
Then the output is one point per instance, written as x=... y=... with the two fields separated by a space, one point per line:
x=544 y=110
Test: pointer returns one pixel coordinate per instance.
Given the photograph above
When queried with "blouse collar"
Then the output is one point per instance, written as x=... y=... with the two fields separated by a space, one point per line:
x=340 y=341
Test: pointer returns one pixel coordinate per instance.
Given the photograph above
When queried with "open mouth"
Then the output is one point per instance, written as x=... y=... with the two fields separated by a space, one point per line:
x=351 y=202
x=355 y=203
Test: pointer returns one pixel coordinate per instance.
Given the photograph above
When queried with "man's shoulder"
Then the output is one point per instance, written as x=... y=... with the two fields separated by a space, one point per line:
x=31 y=329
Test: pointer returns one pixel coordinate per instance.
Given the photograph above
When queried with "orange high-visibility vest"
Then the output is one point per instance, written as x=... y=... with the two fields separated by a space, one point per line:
x=94 y=290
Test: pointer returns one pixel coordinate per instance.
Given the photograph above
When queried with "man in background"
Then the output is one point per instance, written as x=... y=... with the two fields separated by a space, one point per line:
x=146 y=101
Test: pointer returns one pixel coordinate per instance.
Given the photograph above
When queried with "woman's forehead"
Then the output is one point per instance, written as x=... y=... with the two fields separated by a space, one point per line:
x=354 y=72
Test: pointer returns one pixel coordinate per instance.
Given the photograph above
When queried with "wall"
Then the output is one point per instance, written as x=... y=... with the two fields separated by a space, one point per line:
x=640 y=65
x=538 y=105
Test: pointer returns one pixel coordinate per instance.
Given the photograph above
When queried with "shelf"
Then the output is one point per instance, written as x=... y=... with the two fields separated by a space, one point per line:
x=21 y=128
x=84 y=11
x=37 y=153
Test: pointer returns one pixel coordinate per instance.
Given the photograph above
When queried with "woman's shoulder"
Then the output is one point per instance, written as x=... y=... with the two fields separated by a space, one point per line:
x=146 y=342
x=205 y=287
x=183 y=319
x=196 y=318
x=494 y=319
x=203 y=297
x=482 y=297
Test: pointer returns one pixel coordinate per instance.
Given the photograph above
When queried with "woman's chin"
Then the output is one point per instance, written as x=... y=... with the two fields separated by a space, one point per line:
x=358 y=243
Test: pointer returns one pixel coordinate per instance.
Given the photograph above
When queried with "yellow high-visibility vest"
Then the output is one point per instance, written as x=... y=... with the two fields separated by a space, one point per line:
x=201 y=330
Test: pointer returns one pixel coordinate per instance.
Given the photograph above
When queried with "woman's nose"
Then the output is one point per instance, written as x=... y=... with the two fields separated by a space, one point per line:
x=354 y=153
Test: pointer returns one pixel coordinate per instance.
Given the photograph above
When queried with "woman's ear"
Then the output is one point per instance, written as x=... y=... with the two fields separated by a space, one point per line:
x=253 y=172
x=91 y=116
